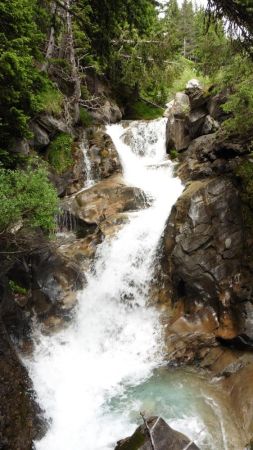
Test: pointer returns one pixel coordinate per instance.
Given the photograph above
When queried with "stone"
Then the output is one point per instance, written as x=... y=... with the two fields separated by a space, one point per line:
x=20 y=146
x=52 y=125
x=210 y=125
x=102 y=154
x=214 y=106
x=40 y=138
x=177 y=134
x=20 y=422
x=164 y=438
x=106 y=199
x=205 y=217
x=196 y=121
x=196 y=94
x=109 y=112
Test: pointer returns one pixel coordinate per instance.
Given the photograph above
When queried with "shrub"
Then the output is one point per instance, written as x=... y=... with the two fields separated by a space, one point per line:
x=173 y=154
x=17 y=289
x=85 y=118
x=60 y=153
x=27 y=196
x=141 y=110
x=50 y=100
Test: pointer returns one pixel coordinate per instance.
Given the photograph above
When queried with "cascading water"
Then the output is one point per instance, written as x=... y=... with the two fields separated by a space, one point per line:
x=89 y=181
x=90 y=378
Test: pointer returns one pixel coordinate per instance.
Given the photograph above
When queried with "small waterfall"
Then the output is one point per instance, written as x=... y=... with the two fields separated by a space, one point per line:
x=84 y=146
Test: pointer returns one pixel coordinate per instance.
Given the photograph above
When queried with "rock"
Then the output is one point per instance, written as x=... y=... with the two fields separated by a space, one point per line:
x=196 y=121
x=107 y=198
x=102 y=155
x=164 y=438
x=109 y=112
x=177 y=134
x=20 y=422
x=205 y=217
x=214 y=106
x=210 y=125
x=52 y=125
x=181 y=105
x=40 y=136
x=55 y=283
x=20 y=146
x=196 y=94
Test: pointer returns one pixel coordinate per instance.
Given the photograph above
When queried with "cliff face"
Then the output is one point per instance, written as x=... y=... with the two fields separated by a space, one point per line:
x=206 y=257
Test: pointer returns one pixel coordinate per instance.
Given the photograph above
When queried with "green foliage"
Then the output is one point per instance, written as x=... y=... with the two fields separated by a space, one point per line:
x=239 y=78
x=17 y=289
x=20 y=80
x=27 y=196
x=49 y=100
x=173 y=154
x=141 y=110
x=60 y=153
x=85 y=118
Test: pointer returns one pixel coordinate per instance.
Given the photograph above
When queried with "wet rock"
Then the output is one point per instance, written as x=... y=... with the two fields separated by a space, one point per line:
x=101 y=155
x=164 y=438
x=56 y=281
x=107 y=198
x=203 y=219
x=20 y=422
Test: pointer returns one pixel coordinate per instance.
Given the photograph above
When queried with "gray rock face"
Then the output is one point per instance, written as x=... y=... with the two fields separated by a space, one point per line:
x=52 y=125
x=164 y=438
x=40 y=136
x=196 y=94
x=210 y=125
x=215 y=106
x=107 y=113
x=204 y=240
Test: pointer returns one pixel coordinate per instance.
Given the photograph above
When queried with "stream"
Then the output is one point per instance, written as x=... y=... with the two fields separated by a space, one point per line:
x=93 y=378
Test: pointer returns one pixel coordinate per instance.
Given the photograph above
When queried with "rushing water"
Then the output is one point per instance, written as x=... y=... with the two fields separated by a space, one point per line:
x=94 y=378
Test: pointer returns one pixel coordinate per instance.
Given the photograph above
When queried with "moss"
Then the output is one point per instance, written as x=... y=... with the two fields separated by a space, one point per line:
x=60 y=153
x=141 y=110
x=85 y=119
x=173 y=154
x=16 y=288
x=104 y=153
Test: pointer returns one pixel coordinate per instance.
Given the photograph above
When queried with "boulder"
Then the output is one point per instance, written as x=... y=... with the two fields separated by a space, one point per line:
x=210 y=125
x=163 y=436
x=181 y=105
x=52 y=125
x=20 y=417
x=196 y=120
x=20 y=146
x=196 y=94
x=214 y=106
x=100 y=154
x=109 y=112
x=107 y=198
x=203 y=242
x=40 y=136
x=177 y=134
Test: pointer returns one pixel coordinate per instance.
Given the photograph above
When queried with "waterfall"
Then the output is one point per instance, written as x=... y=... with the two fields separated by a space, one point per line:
x=84 y=146
x=115 y=339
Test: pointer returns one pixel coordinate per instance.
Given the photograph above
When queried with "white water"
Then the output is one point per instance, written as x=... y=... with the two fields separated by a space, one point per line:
x=87 y=162
x=85 y=373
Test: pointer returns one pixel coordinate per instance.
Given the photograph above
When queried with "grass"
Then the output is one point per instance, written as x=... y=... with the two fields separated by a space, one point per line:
x=60 y=153
x=85 y=119
x=50 y=100
x=141 y=110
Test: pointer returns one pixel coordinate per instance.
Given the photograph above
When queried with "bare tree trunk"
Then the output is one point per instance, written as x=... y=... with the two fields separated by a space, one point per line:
x=51 y=41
